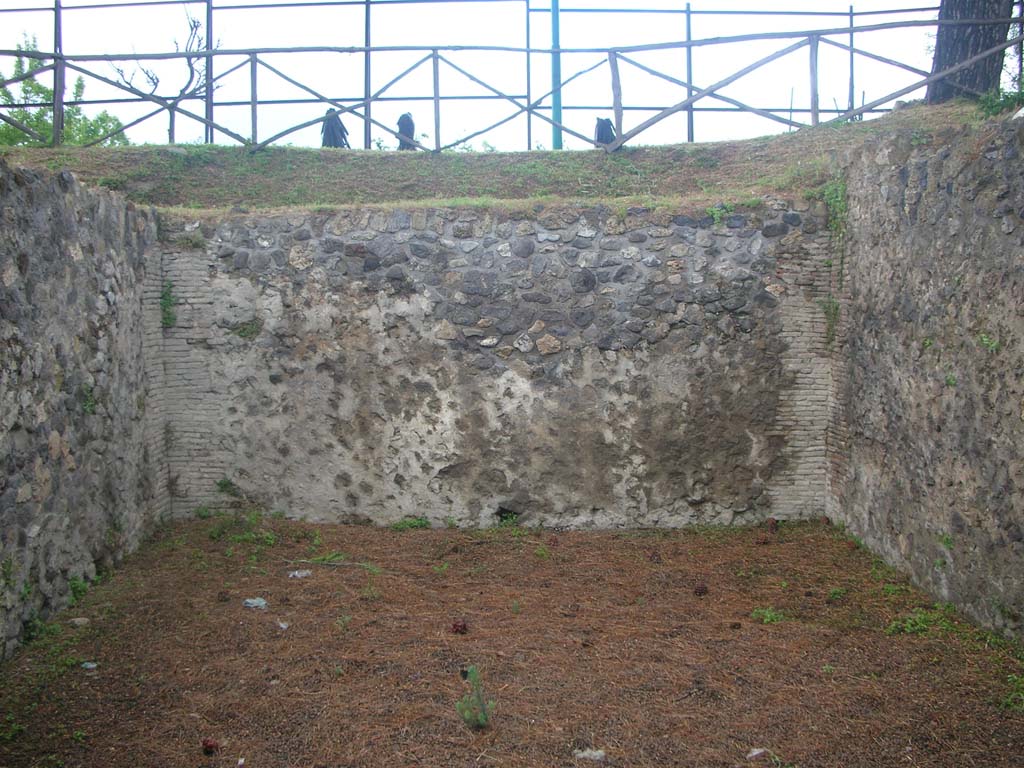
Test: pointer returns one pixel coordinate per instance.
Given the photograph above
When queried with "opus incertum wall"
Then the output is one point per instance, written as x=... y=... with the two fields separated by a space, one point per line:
x=930 y=395
x=578 y=367
x=82 y=473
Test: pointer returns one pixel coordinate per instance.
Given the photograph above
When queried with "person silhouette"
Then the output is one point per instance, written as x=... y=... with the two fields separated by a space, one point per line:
x=333 y=131
x=406 y=132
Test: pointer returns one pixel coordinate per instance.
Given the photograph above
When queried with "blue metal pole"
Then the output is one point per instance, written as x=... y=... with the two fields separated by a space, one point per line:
x=556 y=78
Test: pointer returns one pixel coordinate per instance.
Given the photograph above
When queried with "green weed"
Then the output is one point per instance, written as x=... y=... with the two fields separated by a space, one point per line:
x=474 y=709
x=923 y=620
x=249 y=330
x=329 y=558
x=88 y=400
x=836 y=594
x=193 y=240
x=997 y=102
x=992 y=345
x=203 y=513
x=410 y=524
x=227 y=487
x=946 y=540
x=10 y=728
x=440 y=569
x=542 y=552
x=950 y=380
x=168 y=317
x=78 y=587
x=1015 y=698
x=767 y=615
x=830 y=307
x=719 y=212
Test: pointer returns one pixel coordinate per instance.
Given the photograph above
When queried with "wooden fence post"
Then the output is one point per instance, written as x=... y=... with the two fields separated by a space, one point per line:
x=367 y=125
x=613 y=64
x=58 y=77
x=208 y=96
x=689 y=74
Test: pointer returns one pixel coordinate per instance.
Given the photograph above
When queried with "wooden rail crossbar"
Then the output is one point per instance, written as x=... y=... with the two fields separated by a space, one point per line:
x=253 y=61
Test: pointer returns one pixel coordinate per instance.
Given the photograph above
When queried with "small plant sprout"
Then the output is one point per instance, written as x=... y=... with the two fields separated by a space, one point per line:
x=767 y=615
x=989 y=343
x=410 y=524
x=168 y=318
x=950 y=380
x=835 y=595
x=1015 y=698
x=946 y=540
x=88 y=401
x=474 y=709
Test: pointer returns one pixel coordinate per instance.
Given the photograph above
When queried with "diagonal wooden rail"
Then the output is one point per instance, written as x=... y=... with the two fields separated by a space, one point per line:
x=539 y=108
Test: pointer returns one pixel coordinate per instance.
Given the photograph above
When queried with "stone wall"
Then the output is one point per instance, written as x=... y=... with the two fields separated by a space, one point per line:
x=931 y=407
x=80 y=439
x=575 y=367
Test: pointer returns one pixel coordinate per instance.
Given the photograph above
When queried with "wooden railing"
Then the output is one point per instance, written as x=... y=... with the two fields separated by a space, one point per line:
x=253 y=62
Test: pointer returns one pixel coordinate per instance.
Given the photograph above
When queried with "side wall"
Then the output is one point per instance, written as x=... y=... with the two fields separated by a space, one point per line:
x=577 y=367
x=81 y=471
x=933 y=392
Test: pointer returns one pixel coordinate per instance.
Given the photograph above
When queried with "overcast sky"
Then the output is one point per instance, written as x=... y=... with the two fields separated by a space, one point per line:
x=125 y=30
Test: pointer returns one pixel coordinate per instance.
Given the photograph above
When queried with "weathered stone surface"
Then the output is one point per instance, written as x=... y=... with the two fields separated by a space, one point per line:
x=82 y=476
x=927 y=454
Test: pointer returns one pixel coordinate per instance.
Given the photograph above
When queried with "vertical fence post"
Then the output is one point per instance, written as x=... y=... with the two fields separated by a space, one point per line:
x=529 y=98
x=815 y=116
x=1020 y=49
x=613 y=64
x=252 y=94
x=58 y=77
x=437 y=103
x=689 y=75
x=556 y=76
x=853 y=102
x=367 y=125
x=208 y=134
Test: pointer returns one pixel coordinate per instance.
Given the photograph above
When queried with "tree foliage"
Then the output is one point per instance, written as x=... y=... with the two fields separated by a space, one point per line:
x=78 y=128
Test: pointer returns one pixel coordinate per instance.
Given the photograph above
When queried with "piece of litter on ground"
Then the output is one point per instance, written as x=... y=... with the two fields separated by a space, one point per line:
x=299 y=574
x=283 y=624
x=754 y=754
x=89 y=665
x=255 y=602
x=79 y=621
x=1019 y=114
x=597 y=755
x=241 y=762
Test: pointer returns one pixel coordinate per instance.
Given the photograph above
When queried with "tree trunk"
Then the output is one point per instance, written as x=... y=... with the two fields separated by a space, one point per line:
x=954 y=44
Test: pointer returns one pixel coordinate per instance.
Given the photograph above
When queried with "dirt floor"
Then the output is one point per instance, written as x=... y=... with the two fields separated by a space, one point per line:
x=691 y=648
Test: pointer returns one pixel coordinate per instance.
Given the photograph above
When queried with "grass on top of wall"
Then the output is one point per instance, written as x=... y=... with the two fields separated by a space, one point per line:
x=223 y=177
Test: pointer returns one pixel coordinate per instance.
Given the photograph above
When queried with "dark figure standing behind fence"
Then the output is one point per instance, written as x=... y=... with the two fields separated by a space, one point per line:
x=406 y=132
x=604 y=132
x=333 y=131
